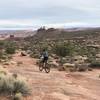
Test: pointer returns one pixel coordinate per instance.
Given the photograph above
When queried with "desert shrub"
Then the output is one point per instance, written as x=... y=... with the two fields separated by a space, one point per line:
x=11 y=85
x=10 y=47
x=10 y=50
x=82 y=51
x=61 y=50
x=1 y=55
x=18 y=96
x=6 y=85
x=21 y=86
x=2 y=44
x=14 y=75
x=3 y=72
x=4 y=56
x=82 y=67
x=7 y=44
x=25 y=47
x=95 y=64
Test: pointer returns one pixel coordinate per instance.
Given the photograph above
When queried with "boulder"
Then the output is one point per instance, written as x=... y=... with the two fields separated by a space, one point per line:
x=82 y=67
x=69 y=65
x=98 y=55
x=54 y=64
x=13 y=62
x=54 y=56
x=80 y=59
x=23 y=54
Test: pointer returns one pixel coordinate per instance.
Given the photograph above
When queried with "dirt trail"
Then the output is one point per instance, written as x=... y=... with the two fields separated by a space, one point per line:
x=57 y=85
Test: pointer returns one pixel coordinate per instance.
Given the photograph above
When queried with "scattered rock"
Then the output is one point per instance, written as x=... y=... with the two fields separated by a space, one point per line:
x=4 y=66
x=82 y=67
x=90 y=69
x=6 y=63
x=19 y=63
x=61 y=69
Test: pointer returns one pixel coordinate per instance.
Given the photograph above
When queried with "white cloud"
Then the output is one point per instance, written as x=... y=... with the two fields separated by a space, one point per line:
x=49 y=12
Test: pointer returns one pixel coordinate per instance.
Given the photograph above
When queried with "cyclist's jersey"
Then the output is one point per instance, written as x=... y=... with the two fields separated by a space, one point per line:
x=45 y=54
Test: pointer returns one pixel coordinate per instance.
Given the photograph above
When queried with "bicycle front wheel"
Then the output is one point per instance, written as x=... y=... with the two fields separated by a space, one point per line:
x=47 y=68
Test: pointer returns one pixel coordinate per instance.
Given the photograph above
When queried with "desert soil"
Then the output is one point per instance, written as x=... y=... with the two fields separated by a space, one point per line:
x=56 y=85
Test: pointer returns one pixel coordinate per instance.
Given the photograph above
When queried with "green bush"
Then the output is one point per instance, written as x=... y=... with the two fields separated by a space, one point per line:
x=10 y=50
x=95 y=64
x=6 y=85
x=3 y=72
x=10 y=85
x=63 y=50
x=21 y=86
x=18 y=96
x=2 y=44
x=10 y=47
x=1 y=55
x=60 y=50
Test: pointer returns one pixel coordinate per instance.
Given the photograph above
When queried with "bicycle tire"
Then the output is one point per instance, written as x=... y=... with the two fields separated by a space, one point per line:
x=40 y=67
x=47 y=68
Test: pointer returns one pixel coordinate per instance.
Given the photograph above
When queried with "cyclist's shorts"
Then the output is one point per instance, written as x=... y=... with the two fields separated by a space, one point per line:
x=45 y=59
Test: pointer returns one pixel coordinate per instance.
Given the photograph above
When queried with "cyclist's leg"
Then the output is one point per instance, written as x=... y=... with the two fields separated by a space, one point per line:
x=45 y=60
x=42 y=62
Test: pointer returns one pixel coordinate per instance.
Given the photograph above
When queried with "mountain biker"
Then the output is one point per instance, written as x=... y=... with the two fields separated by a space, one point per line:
x=43 y=64
x=44 y=56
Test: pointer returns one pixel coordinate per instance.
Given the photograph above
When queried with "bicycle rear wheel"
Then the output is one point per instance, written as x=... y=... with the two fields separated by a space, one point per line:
x=41 y=67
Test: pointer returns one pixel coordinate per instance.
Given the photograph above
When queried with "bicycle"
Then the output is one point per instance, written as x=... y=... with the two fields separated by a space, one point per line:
x=44 y=66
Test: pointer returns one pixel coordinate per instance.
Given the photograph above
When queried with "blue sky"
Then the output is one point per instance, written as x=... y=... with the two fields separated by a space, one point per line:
x=52 y=13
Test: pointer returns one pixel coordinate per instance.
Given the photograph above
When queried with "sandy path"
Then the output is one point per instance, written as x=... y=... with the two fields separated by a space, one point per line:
x=57 y=85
